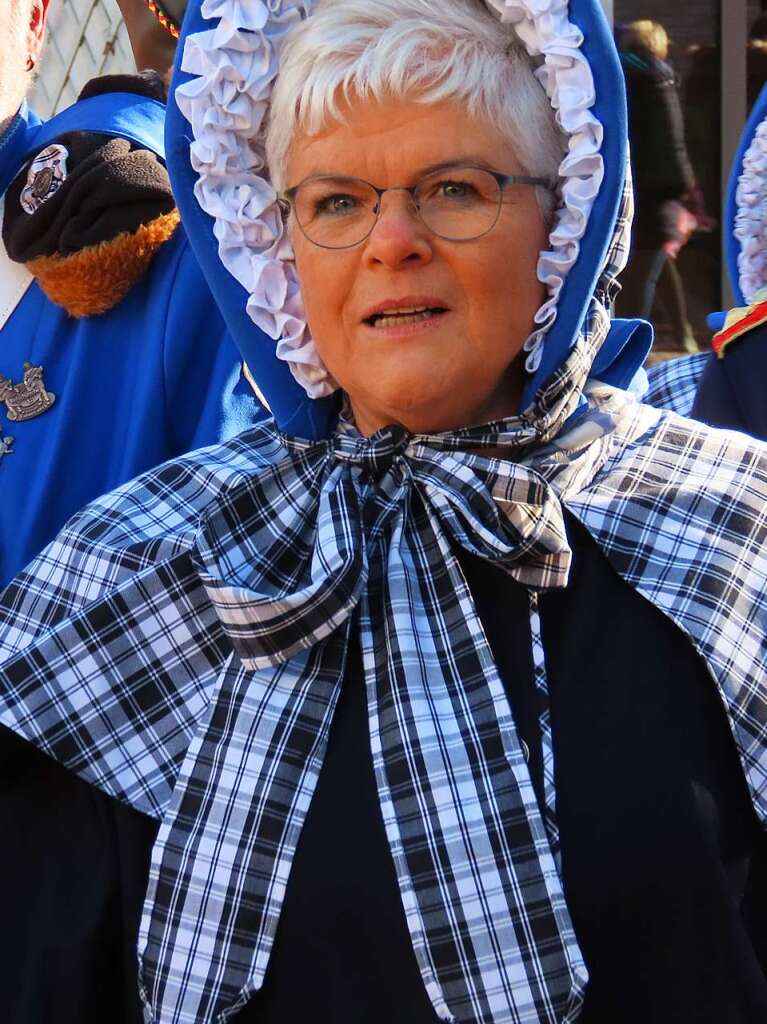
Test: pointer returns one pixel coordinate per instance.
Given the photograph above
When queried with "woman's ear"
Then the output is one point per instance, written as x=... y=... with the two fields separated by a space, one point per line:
x=38 y=16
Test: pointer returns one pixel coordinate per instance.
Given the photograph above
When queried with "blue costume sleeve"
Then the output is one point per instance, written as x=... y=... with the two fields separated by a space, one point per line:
x=733 y=390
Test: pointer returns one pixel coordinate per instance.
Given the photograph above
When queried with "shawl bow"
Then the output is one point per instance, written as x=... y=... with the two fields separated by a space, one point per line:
x=367 y=528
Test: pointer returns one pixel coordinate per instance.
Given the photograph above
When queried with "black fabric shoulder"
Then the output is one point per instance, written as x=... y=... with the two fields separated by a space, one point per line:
x=733 y=390
x=146 y=83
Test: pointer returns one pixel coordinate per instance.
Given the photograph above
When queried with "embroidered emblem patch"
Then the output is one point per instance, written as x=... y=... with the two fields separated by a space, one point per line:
x=28 y=399
x=46 y=174
x=5 y=446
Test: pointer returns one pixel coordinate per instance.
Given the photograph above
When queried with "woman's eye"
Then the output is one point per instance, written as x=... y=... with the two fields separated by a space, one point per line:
x=455 y=190
x=335 y=205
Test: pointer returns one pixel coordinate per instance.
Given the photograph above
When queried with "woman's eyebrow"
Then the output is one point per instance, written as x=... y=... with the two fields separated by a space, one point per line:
x=443 y=165
x=463 y=161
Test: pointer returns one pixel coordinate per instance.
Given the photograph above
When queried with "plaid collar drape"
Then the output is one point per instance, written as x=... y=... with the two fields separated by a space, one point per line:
x=118 y=659
x=368 y=527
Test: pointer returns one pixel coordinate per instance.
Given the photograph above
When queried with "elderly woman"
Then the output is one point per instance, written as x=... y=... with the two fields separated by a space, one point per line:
x=445 y=689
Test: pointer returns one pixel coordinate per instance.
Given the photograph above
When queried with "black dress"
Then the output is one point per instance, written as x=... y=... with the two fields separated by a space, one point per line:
x=665 y=865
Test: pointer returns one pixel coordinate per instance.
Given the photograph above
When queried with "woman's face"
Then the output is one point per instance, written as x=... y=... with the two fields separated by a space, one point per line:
x=459 y=367
x=22 y=26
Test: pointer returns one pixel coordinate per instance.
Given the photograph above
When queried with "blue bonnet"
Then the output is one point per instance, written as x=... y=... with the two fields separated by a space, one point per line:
x=228 y=58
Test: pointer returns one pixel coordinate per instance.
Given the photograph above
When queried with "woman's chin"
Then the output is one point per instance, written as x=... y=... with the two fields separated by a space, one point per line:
x=419 y=408
x=427 y=394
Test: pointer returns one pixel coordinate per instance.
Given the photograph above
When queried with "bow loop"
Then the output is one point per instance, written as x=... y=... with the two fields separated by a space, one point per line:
x=282 y=577
x=499 y=510
x=278 y=573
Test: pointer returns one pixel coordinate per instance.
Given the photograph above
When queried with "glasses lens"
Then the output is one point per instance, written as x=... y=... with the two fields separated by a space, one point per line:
x=335 y=212
x=459 y=203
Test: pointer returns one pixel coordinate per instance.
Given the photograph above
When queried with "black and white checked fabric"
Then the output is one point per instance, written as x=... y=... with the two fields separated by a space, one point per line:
x=182 y=642
x=243 y=631
x=681 y=513
x=673 y=383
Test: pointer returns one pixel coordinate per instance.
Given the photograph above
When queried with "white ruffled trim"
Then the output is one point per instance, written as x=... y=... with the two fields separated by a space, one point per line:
x=545 y=31
x=750 y=228
x=235 y=65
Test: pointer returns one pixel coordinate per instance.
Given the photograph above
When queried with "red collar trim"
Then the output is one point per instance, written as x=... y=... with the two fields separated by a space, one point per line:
x=755 y=315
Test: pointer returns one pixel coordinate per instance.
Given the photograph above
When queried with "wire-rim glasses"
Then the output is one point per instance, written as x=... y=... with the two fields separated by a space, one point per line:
x=459 y=203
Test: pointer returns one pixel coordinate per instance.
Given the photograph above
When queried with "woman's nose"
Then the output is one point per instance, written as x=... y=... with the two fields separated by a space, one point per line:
x=399 y=235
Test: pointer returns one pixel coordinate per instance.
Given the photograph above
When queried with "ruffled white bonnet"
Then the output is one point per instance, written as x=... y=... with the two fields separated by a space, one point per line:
x=234 y=66
x=750 y=226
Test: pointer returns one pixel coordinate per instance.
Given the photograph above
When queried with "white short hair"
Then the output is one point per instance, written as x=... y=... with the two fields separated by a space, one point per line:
x=420 y=49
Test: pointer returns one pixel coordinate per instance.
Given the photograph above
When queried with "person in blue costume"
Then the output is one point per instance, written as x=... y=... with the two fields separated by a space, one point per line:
x=441 y=695
x=124 y=370
x=725 y=387
x=733 y=384
x=140 y=372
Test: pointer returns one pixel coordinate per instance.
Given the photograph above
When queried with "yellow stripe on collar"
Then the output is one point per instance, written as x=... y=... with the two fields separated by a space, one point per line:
x=740 y=321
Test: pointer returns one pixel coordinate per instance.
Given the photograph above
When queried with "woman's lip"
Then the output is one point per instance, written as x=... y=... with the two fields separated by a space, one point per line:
x=406 y=302
x=404 y=330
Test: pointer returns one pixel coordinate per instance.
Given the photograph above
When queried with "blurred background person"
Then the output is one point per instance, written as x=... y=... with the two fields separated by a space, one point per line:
x=756 y=58
x=663 y=178
x=153 y=30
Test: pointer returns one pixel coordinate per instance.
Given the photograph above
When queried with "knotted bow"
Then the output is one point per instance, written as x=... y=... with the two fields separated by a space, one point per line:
x=368 y=528
x=284 y=559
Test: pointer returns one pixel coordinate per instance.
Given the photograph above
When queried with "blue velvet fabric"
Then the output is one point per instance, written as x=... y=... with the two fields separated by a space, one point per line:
x=18 y=137
x=293 y=411
x=152 y=378
x=732 y=390
x=610 y=110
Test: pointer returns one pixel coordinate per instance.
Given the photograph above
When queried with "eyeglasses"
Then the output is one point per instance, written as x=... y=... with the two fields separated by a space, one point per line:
x=458 y=203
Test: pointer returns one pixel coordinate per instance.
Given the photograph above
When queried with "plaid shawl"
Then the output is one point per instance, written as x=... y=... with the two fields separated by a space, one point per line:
x=181 y=645
x=674 y=383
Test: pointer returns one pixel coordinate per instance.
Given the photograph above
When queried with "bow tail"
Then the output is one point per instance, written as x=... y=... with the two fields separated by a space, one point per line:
x=221 y=861
x=482 y=896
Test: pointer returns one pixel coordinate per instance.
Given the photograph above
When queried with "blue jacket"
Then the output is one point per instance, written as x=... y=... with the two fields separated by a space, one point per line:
x=154 y=377
x=732 y=390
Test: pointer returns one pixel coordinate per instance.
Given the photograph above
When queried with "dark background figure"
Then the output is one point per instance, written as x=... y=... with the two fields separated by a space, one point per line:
x=756 y=58
x=153 y=31
x=664 y=180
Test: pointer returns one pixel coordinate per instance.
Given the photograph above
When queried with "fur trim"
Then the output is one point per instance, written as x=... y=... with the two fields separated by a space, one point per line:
x=96 y=278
